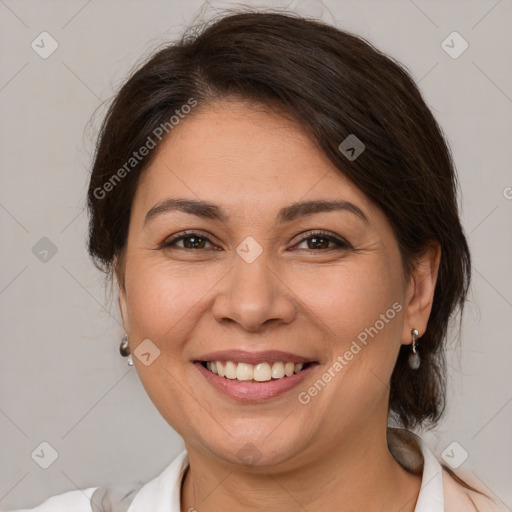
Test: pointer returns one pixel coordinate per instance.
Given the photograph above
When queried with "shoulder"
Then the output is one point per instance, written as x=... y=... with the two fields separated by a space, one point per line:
x=459 y=498
x=72 y=501
x=442 y=488
x=164 y=488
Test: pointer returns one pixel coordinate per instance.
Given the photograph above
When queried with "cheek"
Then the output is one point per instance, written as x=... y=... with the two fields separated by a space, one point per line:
x=349 y=298
x=361 y=308
x=162 y=298
x=164 y=303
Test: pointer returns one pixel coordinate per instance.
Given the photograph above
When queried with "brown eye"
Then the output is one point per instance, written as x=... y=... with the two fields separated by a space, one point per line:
x=191 y=241
x=320 y=241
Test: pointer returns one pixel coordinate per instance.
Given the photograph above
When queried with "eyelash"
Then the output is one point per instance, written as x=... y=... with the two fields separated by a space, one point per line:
x=312 y=234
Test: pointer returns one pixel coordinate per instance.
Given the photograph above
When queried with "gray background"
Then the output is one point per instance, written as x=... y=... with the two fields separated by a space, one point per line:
x=62 y=380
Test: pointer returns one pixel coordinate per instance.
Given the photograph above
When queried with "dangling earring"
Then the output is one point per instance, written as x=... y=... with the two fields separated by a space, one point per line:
x=414 y=358
x=124 y=349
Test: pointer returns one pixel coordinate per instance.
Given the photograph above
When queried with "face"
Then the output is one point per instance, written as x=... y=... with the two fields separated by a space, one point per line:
x=324 y=287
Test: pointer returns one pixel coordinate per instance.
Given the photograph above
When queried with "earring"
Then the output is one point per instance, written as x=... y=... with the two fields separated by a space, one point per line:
x=124 y=349
x=414 y=358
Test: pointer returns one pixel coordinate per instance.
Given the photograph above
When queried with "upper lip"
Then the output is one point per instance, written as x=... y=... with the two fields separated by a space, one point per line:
x=242 y=356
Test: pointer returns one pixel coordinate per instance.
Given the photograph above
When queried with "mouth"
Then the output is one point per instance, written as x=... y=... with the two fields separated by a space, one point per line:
x=261 y=372
x=254 y=377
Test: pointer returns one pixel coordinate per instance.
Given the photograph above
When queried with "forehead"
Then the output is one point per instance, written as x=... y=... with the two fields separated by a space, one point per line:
x=246 y=158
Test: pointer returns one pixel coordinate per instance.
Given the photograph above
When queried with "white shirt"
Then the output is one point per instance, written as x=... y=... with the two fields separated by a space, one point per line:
x=439 y=492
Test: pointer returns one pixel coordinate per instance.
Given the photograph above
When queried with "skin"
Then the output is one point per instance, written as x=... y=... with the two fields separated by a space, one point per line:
x=330 y=454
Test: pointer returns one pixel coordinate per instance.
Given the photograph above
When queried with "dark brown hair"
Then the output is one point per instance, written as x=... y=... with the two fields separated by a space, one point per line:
x=333 y=84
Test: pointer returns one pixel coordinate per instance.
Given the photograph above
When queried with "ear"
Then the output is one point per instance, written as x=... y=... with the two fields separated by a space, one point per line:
x=420 y=292
x=122 y=298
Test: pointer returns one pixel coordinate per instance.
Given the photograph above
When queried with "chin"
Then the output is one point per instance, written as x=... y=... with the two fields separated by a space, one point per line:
x=263 y=449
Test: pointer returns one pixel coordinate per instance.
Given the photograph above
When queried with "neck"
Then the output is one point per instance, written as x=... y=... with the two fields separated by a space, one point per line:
x=357 y=474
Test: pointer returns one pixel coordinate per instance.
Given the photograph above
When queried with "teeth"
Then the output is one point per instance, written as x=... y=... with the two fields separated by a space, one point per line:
x=244 y=371
x=289 y=369
x=261 y=372
x=278 y=370
x=230 y=370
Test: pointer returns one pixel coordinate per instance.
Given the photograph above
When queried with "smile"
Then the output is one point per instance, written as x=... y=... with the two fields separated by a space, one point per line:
x=261 y=372
x=240 y=383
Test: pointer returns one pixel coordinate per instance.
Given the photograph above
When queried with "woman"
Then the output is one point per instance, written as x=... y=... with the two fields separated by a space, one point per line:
x=278 y=206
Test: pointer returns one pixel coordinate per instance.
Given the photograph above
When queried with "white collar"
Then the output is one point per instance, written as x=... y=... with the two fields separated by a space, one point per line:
x=162 y=494
x=431 y=496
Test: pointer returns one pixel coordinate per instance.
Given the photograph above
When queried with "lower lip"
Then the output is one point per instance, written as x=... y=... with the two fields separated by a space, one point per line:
x=249 y=391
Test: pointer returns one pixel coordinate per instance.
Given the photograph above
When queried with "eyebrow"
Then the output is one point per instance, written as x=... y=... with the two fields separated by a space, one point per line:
x=289 y=213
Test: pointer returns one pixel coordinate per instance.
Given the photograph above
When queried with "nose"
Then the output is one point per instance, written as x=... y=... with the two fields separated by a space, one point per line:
x=253 y=295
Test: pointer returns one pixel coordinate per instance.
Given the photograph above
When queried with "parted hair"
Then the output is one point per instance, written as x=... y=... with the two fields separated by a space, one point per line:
x=333 y=83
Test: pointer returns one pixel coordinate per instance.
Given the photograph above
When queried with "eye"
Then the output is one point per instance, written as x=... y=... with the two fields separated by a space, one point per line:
x=191 y=240
x=321 y=239
x=196 y=241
